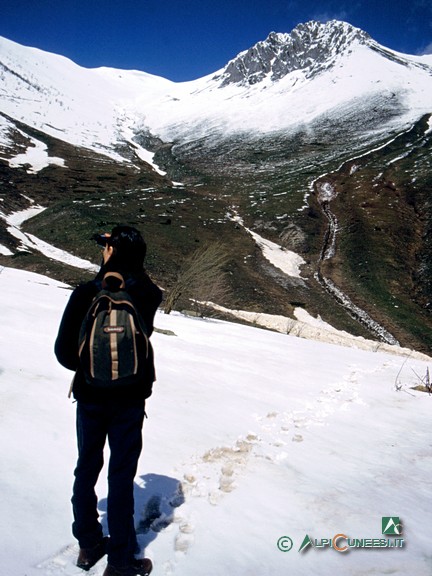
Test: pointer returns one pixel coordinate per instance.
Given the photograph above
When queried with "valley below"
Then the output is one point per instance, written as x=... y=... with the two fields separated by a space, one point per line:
x=328 y=158
x=361 y=227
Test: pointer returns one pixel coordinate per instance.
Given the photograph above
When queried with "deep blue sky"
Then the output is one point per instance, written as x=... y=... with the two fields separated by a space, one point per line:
x=186 y=39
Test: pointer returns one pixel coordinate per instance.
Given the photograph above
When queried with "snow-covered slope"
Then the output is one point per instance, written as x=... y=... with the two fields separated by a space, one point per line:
x=282 y=83
x=81 y=106
x=254 y=441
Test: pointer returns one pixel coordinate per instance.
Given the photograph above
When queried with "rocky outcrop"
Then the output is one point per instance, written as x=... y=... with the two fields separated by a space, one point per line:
x=310 y=47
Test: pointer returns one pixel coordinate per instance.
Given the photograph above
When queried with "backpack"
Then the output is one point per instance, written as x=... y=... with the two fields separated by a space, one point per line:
x=113 y=341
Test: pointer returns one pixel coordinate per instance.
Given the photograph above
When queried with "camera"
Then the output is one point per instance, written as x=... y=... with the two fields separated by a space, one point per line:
x=101 y=239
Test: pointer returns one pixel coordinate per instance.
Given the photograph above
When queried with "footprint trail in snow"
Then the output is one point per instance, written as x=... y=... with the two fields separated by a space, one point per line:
x=217 y=472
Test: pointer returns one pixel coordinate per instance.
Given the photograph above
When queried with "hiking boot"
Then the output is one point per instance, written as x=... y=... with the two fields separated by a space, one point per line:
x=141 y=567
x=88 y=557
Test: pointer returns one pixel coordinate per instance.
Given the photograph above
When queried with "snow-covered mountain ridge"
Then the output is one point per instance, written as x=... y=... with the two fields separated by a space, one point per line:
x=312 y=47
x=281 y=83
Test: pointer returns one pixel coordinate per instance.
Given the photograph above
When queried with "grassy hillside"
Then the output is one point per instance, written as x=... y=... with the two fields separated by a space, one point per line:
x=383 y=251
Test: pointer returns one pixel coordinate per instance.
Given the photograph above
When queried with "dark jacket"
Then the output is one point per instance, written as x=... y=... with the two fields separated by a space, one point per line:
x=147 y=297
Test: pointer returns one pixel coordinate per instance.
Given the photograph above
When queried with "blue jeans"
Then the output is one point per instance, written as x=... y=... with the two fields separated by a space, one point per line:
x=122 y=425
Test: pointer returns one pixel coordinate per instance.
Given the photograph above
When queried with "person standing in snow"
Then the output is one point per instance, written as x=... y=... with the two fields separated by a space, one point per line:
x=116 y=414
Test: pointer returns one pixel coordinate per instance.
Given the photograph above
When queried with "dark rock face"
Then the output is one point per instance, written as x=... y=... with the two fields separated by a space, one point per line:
x=310 y=47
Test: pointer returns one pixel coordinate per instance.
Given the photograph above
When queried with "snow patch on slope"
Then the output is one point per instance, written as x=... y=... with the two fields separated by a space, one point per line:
x=286 y=260
x=36 y=156
x=31 y=242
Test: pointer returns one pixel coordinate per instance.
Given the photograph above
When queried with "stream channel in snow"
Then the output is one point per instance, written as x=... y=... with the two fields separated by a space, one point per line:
x=326 y=193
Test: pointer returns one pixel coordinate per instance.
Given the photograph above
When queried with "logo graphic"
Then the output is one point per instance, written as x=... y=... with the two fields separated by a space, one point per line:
x=306 y=542
x=284 y=543
x=391 y=525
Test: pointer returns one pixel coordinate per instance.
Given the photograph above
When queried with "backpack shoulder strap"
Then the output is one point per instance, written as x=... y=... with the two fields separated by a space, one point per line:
x=113 y=275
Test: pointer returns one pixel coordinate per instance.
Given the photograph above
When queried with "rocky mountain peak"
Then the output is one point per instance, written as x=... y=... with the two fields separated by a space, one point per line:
x=310 y=47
